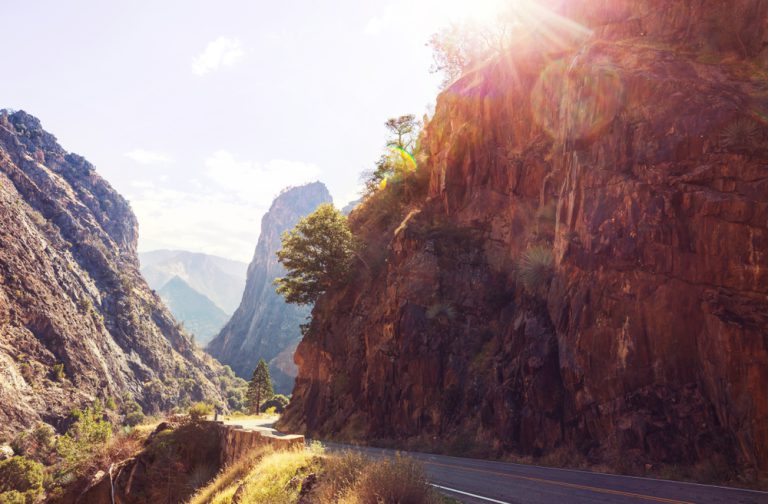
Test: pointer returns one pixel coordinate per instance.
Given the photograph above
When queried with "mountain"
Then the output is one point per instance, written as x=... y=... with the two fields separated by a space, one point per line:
x=351 y=206
x=71 y=293
x=200 y=316
x=265 y=326
x=220 y=280
x=585 y=270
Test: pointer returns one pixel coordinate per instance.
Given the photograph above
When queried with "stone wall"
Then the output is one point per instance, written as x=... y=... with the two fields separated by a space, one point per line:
x=236 y=441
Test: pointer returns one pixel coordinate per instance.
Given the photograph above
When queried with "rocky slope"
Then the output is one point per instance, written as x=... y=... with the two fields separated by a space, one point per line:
x=201 y=317
x=71 y=293
x=264 y=326
x=628 y=139
x=220 y=280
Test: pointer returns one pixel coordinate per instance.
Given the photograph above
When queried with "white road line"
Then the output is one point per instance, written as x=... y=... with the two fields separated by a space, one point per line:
x=469 y=494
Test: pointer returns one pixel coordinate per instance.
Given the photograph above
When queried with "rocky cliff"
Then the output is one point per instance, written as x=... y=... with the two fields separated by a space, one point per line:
x=588 y=268
x=264 y=326
x=77 y=321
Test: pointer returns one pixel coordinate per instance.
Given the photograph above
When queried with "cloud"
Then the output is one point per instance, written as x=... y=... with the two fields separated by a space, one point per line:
x=219 y=212
x=253 y=181
x=222 y=52
x=147 y=157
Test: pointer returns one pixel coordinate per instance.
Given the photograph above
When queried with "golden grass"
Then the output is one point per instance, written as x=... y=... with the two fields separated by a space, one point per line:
x=276 y=477
x=227 y=481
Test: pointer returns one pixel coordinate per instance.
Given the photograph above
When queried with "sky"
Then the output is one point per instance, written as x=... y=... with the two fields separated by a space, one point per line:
x=199 y=113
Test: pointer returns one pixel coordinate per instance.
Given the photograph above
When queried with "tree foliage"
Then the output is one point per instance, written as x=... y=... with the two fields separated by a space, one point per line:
x=460 y=46
x=397 y=160
x=316 y=253
x=88 y=433
x=260 y=387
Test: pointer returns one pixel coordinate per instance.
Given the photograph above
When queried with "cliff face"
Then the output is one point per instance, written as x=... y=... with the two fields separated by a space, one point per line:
x=264 y=326
x=71 y=292
x=635 y=153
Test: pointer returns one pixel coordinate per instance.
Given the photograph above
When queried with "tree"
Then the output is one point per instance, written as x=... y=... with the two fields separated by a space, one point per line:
x=316 y=253
x=398 y=158
x=459 y=47
x=260 y=387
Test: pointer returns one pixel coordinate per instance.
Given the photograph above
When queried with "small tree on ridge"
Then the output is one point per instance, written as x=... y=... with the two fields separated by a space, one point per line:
x=260 y=387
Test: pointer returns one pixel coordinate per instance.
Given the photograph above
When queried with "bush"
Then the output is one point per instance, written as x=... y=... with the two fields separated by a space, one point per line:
x=277 y=403
x=132 y=413
x=401 y=481
x=535 y=270
x=21 y=480
x=199 y=411
x=57 y=372
x=87 y=434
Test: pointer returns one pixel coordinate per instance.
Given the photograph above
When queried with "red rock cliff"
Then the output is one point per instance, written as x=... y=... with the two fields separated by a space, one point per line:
x=642 y=127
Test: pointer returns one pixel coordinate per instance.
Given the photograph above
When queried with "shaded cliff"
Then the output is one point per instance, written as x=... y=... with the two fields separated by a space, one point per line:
x=629 y=145
x=71 y=293
x=265 y=326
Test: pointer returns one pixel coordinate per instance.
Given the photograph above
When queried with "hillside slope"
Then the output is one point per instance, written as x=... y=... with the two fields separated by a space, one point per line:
x=635 y=155
x=265 y=326
x=71 y=292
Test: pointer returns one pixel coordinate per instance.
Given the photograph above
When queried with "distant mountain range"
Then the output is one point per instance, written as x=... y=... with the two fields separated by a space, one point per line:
x=201 y=316
x=220 y=280
x=201 y=290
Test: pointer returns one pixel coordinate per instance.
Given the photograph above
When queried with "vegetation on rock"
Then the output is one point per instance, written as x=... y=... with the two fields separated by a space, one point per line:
x=317 y=254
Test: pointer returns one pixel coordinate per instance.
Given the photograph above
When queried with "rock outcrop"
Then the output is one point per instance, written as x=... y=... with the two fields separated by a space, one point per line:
x=77 y=320
x=265 y=326
x=628 y=139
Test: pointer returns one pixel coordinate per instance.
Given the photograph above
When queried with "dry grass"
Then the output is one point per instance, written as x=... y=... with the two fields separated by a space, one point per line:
x=398 y=481
x=266 y=476
x=227 y=481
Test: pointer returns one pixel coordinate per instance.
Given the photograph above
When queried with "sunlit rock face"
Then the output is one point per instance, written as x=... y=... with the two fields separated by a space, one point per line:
x=265 y=326
x=71 y=294
x=650 y=345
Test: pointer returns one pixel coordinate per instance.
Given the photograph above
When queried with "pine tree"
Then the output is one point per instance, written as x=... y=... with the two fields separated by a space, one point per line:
x=260 y=387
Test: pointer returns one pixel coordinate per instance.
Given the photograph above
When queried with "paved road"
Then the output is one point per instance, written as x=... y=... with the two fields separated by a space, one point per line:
x=501 y=482
x=482 y=482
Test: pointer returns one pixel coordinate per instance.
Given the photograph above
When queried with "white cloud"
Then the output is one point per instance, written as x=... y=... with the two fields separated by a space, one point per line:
x=220 y=211
x=253 y=181
x=222 y=52
x=147 y=157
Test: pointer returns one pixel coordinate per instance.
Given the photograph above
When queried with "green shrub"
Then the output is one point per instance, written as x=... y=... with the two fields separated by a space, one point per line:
x=132 y=413
x=21 y=480
x=535 y=270
x=57 y=372
x=199 y=411
x=87 y=434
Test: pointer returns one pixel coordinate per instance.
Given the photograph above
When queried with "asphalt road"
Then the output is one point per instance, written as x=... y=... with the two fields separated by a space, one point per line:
x=483 y=482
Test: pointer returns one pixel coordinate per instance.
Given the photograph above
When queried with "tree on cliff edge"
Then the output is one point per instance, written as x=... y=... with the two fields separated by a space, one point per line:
x=316 y=253
x=260 y=387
